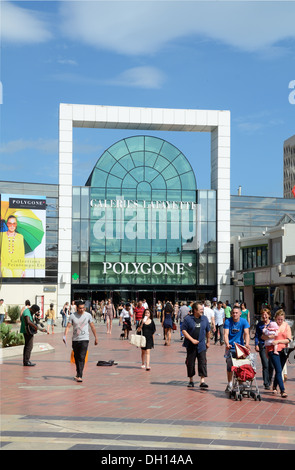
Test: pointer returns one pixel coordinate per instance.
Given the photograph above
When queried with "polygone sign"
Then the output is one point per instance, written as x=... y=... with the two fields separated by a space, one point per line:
x=145 y=268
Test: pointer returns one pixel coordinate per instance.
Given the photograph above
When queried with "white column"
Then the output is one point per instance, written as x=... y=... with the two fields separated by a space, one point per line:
x=65 y=205
x=220 y=180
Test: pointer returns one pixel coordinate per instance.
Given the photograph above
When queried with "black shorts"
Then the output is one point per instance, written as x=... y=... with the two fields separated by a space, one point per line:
x=191 y=356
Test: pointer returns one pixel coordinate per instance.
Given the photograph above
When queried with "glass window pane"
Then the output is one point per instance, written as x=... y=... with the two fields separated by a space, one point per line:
x=150 y=158
x=158 y=183
x=173 y=183
x=85 y=205
x=118 y=149
x=114 y=182
x=138 y=158
x=105 y=162
x=129 y=182
x=169 y=172
x=127 y=162
x=150 y=173
x=99 y=178
x=138 y=173
x=182 y=164
x=76 y=203
x=161 y=164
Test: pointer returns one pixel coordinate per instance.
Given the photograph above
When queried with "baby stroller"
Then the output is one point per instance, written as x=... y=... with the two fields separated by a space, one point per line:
x=244 y=375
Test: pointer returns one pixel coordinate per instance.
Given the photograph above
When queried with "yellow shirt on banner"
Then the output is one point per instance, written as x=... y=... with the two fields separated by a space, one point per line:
x=12 y=255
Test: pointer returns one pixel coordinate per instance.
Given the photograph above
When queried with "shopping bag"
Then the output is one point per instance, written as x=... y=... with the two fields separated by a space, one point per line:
x=73 y=357
x=138 y=340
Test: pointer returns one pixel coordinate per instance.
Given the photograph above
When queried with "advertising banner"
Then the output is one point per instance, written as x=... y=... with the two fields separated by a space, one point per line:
x=22 y=235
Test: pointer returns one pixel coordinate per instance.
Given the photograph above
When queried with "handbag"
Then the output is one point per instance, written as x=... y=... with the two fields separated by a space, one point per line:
x=174 y=327
x=138 y=340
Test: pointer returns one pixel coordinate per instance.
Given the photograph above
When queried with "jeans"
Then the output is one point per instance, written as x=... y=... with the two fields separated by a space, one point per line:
x=29 y=340
x=180 y=327
x=80 y=349
x=267 y=367
x=220 y=328
x=278 y=362
x=1 y=317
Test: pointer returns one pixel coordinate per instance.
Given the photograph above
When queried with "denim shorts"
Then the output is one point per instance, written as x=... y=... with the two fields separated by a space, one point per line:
x=228 y=358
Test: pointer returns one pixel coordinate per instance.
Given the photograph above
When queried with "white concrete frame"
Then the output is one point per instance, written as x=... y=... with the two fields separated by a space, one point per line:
x=117 y=117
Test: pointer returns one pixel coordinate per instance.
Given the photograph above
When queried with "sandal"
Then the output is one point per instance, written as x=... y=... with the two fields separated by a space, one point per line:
x=274 y=391
x=284 y=395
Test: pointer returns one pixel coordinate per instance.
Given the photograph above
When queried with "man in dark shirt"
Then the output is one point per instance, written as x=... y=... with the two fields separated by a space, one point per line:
x=196 y=331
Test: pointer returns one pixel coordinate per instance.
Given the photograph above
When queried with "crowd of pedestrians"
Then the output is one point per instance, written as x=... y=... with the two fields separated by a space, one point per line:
x=196 y=323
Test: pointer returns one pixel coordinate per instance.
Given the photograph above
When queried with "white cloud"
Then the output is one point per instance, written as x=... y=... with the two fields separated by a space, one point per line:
x=136 y=77
x=255 y=122
x=47 y=146
x=144 y=27
x=67 y=62
x=43 y=145
x=22 y=25
x=140 y=77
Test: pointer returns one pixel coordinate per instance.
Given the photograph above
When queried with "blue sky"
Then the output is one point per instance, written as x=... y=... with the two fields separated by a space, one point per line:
x=234 y=55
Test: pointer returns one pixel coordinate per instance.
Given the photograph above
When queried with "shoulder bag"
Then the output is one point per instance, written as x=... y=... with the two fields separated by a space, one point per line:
x=138 y=340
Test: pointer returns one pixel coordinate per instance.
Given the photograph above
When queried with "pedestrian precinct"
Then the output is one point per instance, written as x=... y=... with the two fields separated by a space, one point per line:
x=81 y=321
x=196 y=331
x=148 y=328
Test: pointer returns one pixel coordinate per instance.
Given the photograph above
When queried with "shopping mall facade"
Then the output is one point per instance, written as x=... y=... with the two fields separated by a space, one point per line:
x=140 y=227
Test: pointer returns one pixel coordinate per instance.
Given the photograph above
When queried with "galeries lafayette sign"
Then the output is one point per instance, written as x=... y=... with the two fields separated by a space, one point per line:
x=145 y=268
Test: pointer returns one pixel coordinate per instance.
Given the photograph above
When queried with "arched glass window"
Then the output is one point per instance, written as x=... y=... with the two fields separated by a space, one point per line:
x=147 y=164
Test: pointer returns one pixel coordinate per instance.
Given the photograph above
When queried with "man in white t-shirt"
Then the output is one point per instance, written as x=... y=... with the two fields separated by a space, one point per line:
x=81 y=320
x=208 y=312
x=219 y=316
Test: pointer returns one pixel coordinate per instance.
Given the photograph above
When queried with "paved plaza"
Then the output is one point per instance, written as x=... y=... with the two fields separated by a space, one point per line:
x=124 y=407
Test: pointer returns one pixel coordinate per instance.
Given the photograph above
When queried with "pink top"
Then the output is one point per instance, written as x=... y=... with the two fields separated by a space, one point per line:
x=284 y=332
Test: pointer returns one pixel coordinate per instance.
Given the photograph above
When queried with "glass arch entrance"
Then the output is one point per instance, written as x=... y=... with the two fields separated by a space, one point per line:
x=142 y=224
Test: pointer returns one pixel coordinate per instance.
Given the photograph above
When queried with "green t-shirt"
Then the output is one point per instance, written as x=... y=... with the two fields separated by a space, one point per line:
x=244 y=314
x=227 y=311
x=26 y=313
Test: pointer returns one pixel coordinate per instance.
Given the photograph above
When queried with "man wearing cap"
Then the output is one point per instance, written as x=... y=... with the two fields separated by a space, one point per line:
x=28 y=328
